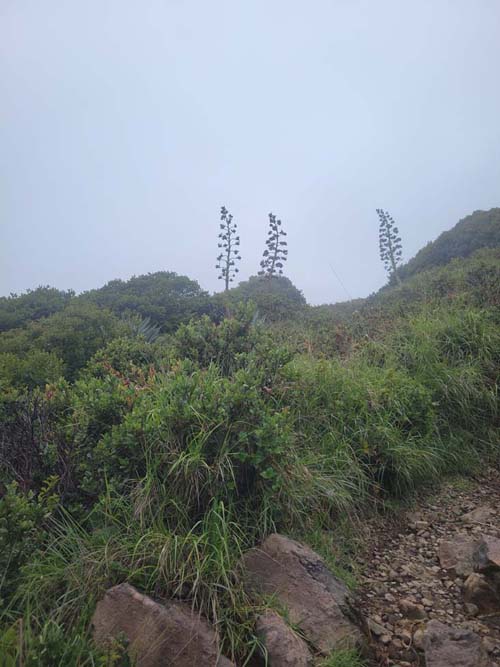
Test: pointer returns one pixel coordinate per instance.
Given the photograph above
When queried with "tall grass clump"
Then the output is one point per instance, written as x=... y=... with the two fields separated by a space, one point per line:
x=456 y=355
x=373 y=428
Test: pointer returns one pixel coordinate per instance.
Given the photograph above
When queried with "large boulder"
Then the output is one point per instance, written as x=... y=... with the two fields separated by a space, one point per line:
x=284 y=647
x=450 y=647
x=457 y=554
x=318 y=603
x=159 y=635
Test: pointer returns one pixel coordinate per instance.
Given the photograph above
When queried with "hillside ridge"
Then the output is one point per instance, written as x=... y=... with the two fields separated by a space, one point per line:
x=480 y=229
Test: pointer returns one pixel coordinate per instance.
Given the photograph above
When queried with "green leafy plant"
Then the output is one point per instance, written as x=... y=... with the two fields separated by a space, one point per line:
x=22 y=517
x=143 y=327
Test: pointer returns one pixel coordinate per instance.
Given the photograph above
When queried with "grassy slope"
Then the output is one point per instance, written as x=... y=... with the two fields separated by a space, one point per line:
x=481 y=229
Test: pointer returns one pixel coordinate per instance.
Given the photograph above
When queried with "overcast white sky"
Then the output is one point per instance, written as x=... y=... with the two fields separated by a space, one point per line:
x=126 y=124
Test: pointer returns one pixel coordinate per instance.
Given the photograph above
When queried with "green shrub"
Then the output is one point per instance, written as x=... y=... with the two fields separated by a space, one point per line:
x=276 y=298
x=165 y=297
x=24 y=434
x=76 y=333
x=73 y=335
x=124 y=356
x=22 y=517
x=203 y=435
x=35 y=368
x=18 y=310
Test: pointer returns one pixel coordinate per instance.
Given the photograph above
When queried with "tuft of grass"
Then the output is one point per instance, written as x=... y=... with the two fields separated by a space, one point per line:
x=343 y=658
x=337 y=548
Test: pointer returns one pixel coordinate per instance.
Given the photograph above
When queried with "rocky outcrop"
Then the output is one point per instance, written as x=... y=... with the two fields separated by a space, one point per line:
x=318 y=603
x=284 y=648
x=158 y=634
x=449 y=647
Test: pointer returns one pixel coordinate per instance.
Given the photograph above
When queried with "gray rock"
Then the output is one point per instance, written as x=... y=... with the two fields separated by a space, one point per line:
x=158 y=634
x=284 y=647
x=449 y=647
x=318 y=603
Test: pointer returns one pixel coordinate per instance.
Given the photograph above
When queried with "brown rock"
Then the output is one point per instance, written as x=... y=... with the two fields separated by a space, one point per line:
x=457 y=554
x=284 y=648
x=412 y=610
x=480 y=592
x=449 y=647
x=317 y=602
x=487 y=555
x=158 y=634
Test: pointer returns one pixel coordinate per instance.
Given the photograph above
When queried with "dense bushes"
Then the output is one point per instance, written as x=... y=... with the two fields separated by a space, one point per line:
x=70 y=337
x=33 y=369
x=17 y=310
x=165 y=297
x=275 y=297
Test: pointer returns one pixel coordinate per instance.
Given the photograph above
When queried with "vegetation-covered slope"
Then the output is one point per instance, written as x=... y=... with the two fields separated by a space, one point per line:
x=481 y=229
x=158 y=460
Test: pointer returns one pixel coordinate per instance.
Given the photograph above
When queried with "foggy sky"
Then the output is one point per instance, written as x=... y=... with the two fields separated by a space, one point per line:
x=126 y=124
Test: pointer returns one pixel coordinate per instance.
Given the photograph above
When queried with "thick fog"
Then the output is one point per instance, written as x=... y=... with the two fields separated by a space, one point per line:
x=125 y=125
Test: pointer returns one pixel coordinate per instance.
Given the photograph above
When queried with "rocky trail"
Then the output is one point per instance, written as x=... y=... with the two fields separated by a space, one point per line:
x=430 y=584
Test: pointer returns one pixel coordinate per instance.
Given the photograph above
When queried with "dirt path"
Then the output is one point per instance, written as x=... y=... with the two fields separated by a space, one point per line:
x=404 y=584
